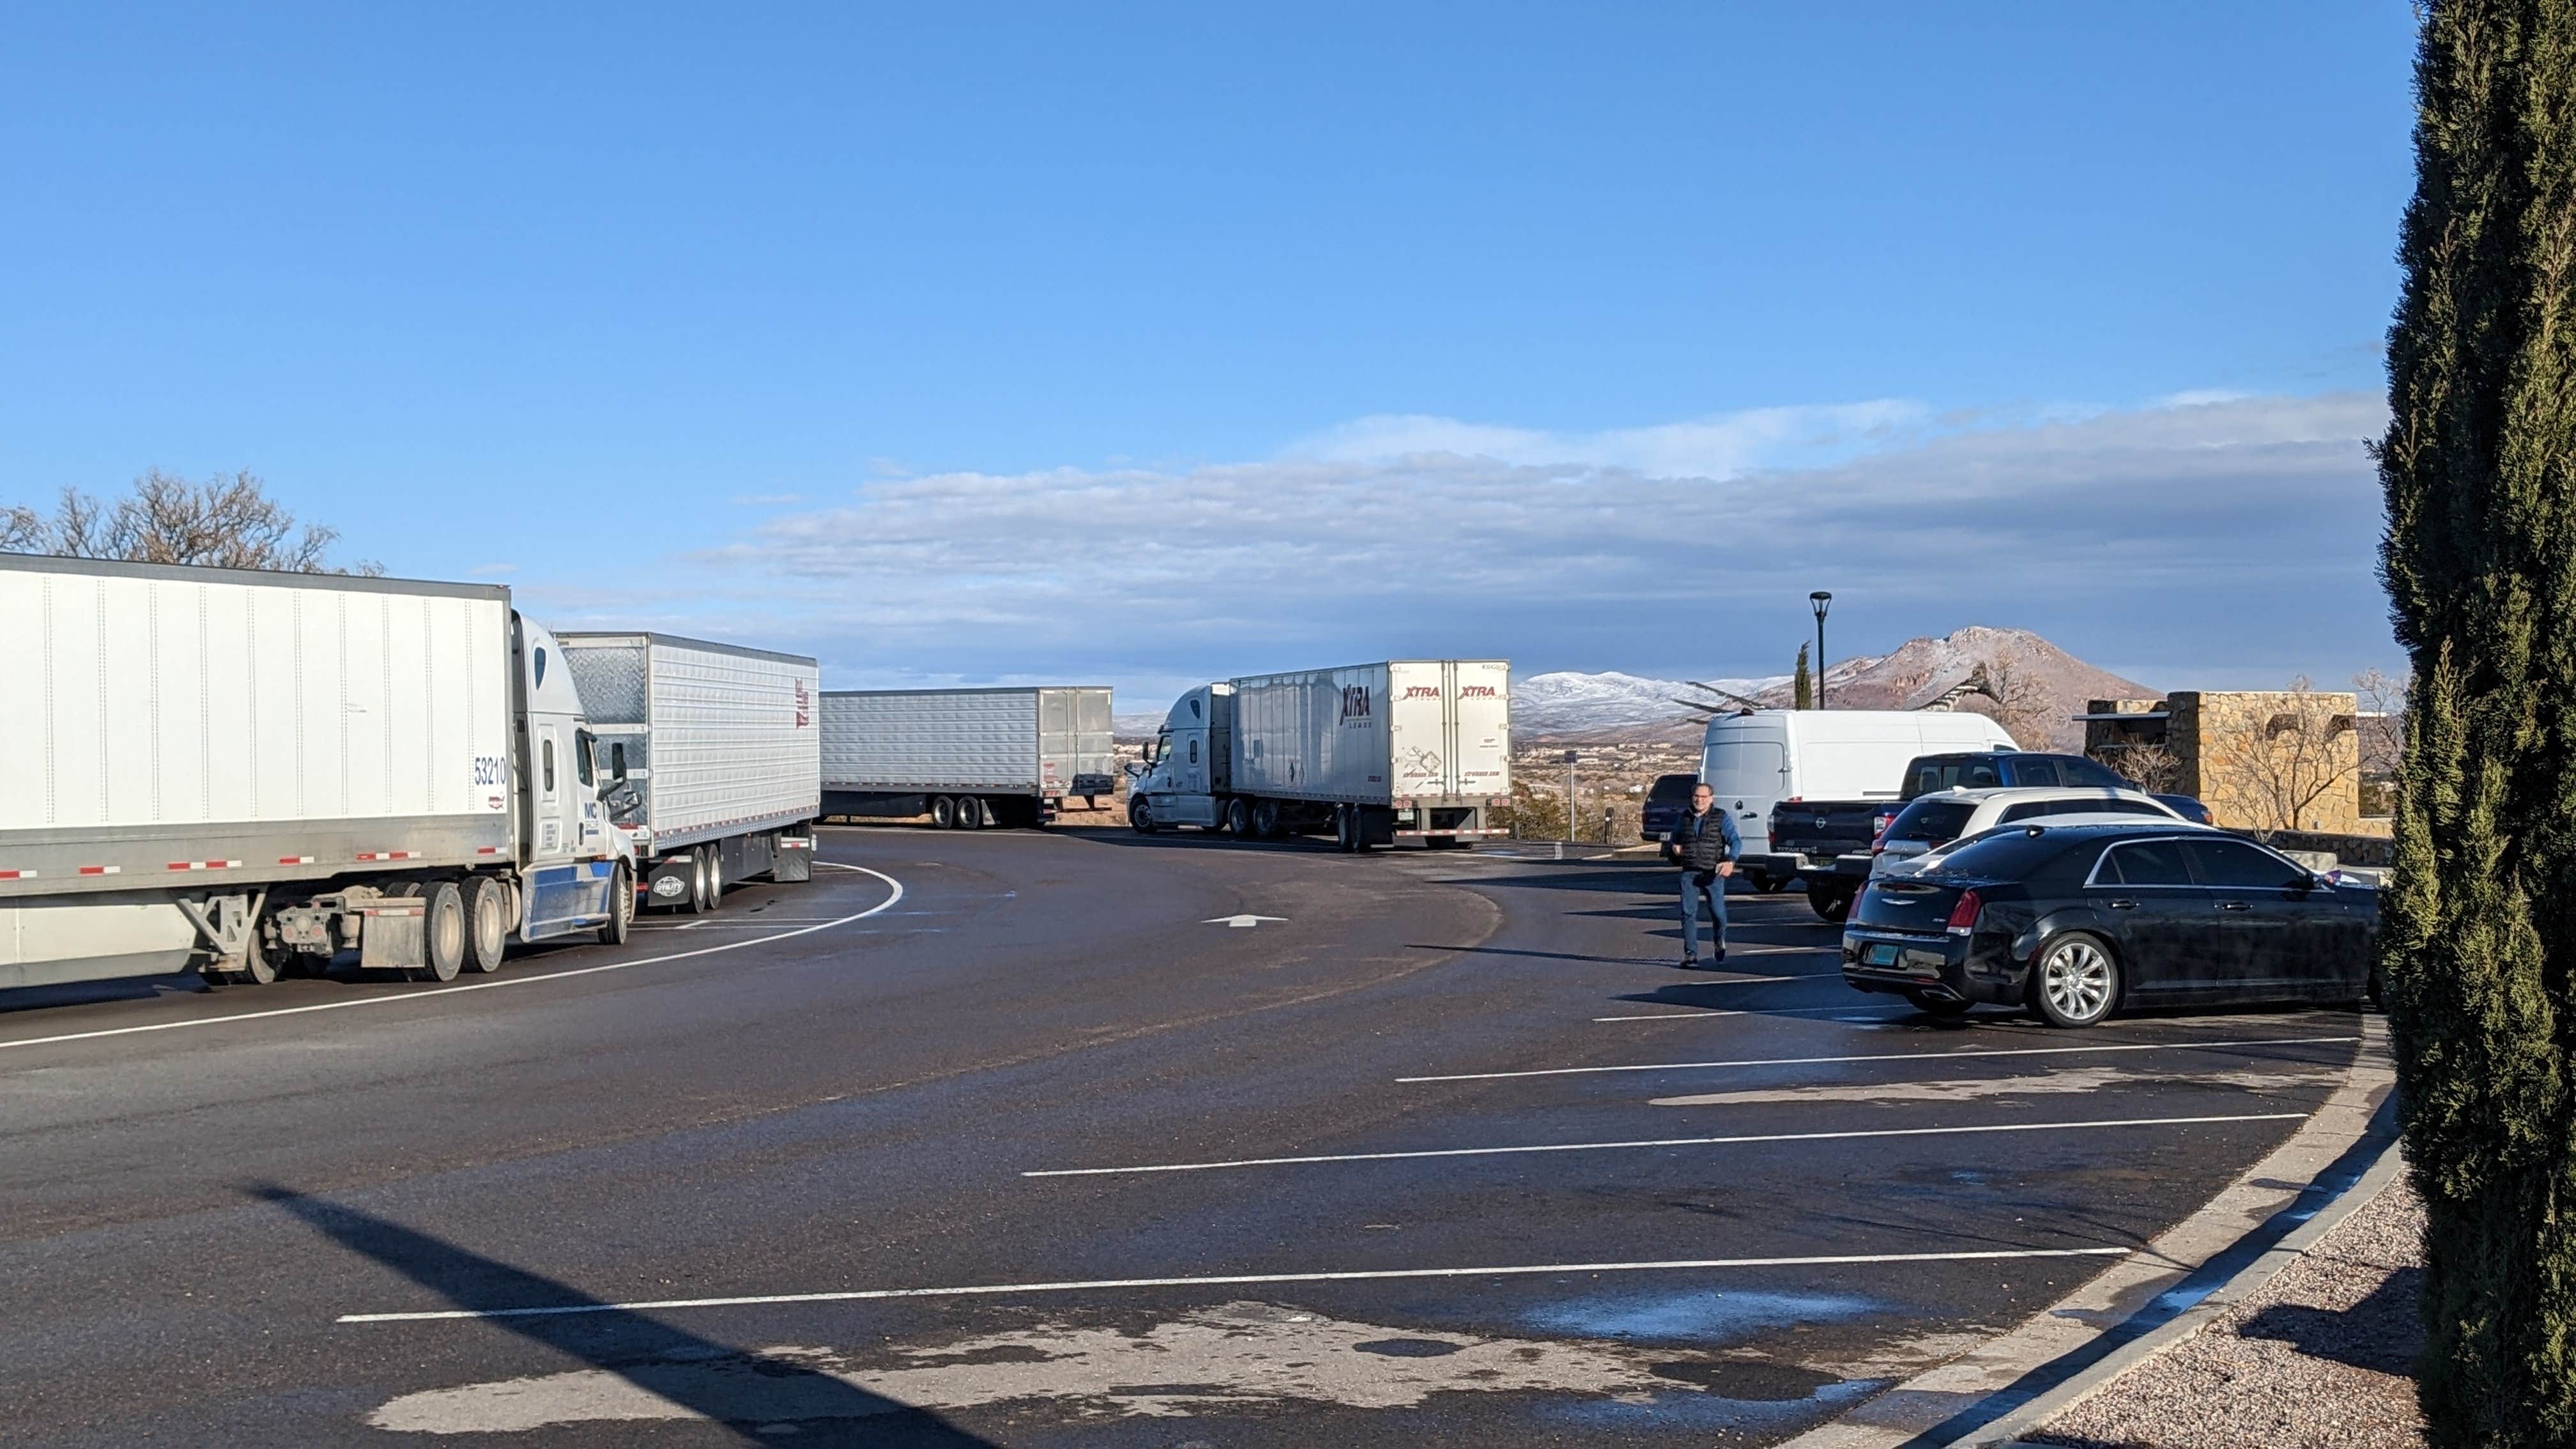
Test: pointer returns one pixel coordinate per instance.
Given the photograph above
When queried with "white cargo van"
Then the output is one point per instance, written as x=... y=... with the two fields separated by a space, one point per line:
x=1755 y=759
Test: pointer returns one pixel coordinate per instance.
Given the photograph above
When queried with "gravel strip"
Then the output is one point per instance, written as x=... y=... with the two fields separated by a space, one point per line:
x=2321 y=1358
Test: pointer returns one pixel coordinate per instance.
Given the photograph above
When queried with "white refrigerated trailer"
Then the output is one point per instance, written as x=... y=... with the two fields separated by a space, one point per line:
x=1408 y=750
x=967 y=758
x=711 y=758
x=250 y=772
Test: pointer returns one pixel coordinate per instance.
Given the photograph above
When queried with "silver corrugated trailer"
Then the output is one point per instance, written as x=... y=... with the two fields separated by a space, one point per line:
x=236 y=770
x=966 y=757
x=712 y=758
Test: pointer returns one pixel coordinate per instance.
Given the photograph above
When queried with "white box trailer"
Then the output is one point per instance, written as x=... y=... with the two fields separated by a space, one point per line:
x=967 y=757
x=1407 y=750
x=245 y=771
x=712 y=758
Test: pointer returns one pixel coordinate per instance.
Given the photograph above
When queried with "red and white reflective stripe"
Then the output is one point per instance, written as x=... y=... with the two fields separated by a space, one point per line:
x=204 y=864
x=389 y=855
x=487 y=850
x=17 y=875
x=295 y=860
x=99 y=870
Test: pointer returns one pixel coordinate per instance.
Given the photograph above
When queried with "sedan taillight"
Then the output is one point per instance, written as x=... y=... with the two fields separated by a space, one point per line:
x=1963 y=916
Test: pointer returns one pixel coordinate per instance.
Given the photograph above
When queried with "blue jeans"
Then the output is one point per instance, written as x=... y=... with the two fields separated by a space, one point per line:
x=1700 y=886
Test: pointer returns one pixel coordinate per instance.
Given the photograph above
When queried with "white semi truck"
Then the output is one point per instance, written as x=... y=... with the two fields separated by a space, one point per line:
x=967 y=758
x=1408 y=750
x=246 y=773
x=711 y=759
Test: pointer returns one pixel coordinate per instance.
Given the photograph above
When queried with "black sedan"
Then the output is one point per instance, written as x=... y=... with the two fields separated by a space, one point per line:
x=2076 y=921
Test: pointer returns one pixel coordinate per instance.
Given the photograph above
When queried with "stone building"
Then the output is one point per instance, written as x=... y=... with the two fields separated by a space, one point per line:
x=2259 y=759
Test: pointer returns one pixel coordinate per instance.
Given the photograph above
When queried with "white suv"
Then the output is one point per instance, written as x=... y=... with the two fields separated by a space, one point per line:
x=1930 y=823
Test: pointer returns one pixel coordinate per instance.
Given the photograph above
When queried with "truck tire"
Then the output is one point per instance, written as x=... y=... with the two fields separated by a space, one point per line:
x=1238 y=818
x=487 y=923
x=1833 y=902
x=1140 y=816
x=1265 y=820
x=698 y=904
x=442 y=933
x=1762 y=881
x=1345 y=829
x=621 y=907
x=943 y=813
x=715 y=873
x=971 y=814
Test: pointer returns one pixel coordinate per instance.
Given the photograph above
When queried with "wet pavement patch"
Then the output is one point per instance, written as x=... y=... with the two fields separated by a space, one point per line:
x=1409 y=1347
x=1702 y=1317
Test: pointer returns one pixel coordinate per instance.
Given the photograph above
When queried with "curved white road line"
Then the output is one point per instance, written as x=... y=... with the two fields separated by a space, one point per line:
x=441 y=994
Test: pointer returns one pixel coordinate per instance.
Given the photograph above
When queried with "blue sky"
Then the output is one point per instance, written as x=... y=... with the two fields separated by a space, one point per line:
x=1003 y=342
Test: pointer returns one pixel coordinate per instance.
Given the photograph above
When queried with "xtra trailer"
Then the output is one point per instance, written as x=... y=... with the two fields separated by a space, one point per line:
x=967 y=758
x=245 y=773
x=711 y=756
x=1376 y=754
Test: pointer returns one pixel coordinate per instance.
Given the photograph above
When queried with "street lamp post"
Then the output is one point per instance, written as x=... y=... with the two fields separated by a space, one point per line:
x=1820 y=601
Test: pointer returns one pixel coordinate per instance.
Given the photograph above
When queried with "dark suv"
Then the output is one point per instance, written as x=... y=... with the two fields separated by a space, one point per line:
x=2005 y=770
x=1667 y=801
x=2013 y=769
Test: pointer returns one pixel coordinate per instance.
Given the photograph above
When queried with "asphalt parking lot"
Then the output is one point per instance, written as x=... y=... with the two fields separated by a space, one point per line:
x=1024 y=1139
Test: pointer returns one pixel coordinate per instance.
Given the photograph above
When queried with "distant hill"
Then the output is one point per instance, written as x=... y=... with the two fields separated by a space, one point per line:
x=1614 y=708
x=2044 y=684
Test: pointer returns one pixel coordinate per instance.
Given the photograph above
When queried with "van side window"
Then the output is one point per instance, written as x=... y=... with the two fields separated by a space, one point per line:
x=584 y=745
x=2033 y=770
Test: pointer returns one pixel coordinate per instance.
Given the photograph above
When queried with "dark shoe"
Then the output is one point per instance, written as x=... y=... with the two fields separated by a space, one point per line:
x=1690 y=963
x=1719 y=959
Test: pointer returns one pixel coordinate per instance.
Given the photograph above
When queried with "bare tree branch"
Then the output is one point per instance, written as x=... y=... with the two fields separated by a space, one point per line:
x=221 y=523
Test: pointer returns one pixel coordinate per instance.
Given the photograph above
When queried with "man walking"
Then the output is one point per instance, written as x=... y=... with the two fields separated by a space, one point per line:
x=1704 y=845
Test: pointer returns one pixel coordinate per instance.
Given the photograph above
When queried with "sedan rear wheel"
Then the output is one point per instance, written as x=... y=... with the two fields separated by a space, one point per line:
x=2076 y=982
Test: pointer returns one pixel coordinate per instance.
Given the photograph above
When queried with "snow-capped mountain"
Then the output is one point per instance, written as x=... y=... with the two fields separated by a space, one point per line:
x=1565 y=703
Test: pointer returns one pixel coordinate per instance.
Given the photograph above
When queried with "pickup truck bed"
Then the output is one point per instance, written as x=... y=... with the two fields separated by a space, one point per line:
x=1826 y=843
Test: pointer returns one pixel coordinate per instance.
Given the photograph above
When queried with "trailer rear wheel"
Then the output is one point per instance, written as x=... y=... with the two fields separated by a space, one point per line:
x=442 y=934
x=1346 y=832
x=487 y=917
x=943 y=813
x=971 y=814
x=714 y=858
x=1265 y=820
x=621 y=907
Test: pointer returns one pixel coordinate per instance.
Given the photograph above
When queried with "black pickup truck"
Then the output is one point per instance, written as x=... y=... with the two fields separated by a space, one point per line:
x=1826 y=842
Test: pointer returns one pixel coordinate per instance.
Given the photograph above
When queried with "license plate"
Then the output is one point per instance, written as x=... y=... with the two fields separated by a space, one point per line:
x=1879 y=956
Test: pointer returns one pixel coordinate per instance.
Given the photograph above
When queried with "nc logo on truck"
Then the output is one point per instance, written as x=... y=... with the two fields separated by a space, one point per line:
x=1355 y=702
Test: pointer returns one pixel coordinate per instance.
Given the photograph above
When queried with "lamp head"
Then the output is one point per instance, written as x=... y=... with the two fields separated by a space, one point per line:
x=1820 y=601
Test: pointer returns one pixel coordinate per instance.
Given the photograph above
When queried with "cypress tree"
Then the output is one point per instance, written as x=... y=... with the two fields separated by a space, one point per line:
x=1802 y=685
x=2478 y=927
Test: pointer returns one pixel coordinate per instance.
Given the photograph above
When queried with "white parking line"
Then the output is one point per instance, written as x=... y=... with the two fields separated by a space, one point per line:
x=1838 y=1013
x=1229 y=1280
x=414 y=997
x=1657 y=1142
x=1968 y=1054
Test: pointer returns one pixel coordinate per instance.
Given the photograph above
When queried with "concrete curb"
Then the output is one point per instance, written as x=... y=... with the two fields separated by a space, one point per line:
x=2154 y=1298
x=2245 y=1284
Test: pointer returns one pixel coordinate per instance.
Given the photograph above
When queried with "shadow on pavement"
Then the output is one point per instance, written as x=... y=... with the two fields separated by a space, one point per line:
x=729 y=1386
